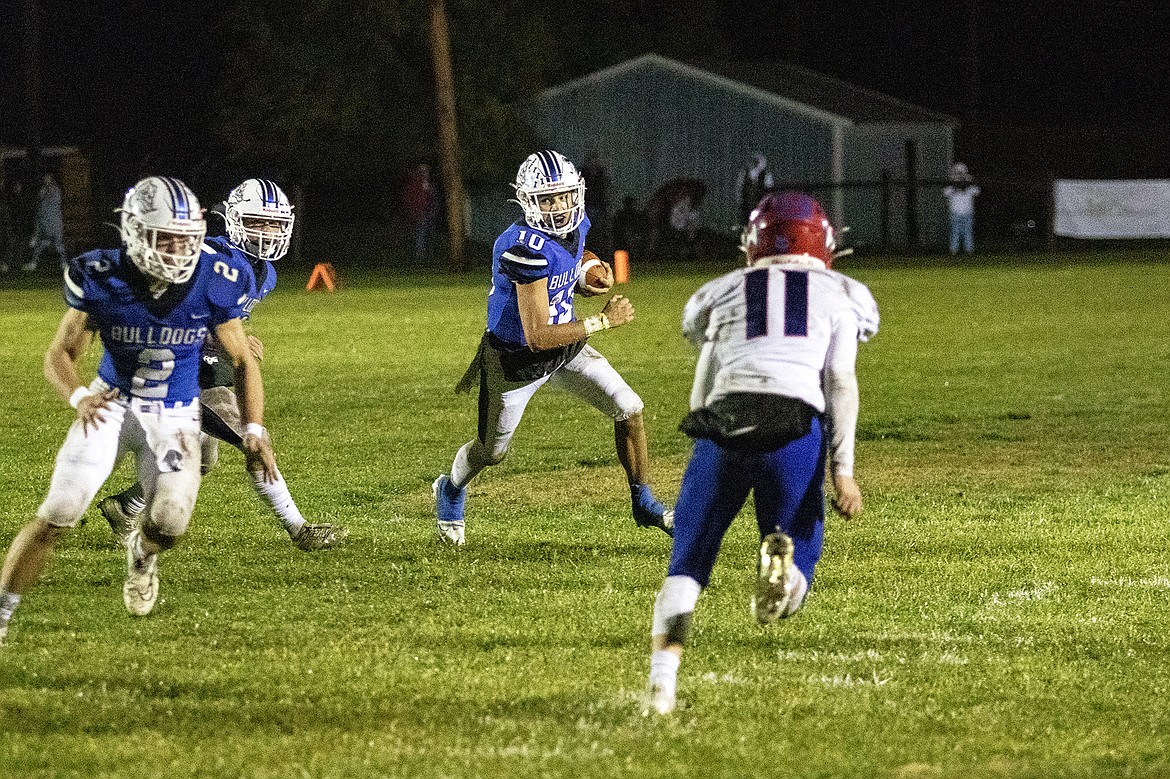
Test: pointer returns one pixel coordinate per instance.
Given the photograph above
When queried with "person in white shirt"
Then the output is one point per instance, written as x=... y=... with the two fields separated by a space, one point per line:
x=960 y=197
x=775 y=390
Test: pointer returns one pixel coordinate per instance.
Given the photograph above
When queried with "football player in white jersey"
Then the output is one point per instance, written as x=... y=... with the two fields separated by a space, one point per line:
x=259 y=220
x=775 y=389
x=152 y=304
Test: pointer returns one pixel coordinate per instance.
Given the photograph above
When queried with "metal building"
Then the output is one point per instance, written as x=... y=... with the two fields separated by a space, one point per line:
x=655 y=119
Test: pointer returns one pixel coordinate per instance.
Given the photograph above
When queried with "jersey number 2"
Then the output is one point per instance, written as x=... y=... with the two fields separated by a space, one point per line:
x=150 y=381
x=755 y=290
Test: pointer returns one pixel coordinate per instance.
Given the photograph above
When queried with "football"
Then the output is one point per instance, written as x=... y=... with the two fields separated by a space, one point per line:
x=594 y=272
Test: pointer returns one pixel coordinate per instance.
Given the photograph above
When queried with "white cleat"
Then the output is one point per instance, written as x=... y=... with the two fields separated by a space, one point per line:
x=451 y=532
x=770 y=601
x=140 y=592
x=3 y=632
x=660 y=700
x=448 y=512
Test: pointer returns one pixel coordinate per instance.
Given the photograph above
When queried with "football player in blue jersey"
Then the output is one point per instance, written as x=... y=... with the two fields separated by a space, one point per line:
x=151 y=303
x=259 y=221
x=533 y=338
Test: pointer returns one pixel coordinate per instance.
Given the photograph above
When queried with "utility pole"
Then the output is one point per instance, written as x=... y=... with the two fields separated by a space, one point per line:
x=32 y=85
x=449 y=167
x=972 y=60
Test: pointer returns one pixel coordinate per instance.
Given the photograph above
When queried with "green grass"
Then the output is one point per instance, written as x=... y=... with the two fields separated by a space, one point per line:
x=999 y=610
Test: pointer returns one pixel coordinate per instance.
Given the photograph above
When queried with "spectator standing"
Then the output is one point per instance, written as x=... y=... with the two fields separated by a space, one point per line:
x=420 y=200
x=49 y=229
x=595 y=171
x=685 y=222
x=752 y=184
x=960 y=195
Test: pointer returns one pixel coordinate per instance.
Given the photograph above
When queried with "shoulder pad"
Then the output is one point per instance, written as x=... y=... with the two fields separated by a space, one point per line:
x=230 y=284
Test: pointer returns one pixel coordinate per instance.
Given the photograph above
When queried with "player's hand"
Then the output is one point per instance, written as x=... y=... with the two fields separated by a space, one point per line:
x=90 y=408
x=606 y=283
x=619 y=310
x=257 y=347
x=847 y=501
x=258 y=456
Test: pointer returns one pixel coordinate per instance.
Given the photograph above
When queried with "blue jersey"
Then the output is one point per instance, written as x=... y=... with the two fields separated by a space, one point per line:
x=262 y=272
x=522 y=255
x=152 y=345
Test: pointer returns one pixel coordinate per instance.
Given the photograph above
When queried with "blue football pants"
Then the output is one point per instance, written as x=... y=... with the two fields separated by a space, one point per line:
x=789 y=485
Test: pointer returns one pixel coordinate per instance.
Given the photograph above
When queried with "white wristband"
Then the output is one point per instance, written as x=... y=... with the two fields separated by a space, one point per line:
x=255 y=429
x=78 y=394
x=595 y=323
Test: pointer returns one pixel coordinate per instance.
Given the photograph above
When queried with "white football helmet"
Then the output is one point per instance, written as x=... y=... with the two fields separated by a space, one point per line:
x=163 y=228
x=551 y=192
x=259 y=219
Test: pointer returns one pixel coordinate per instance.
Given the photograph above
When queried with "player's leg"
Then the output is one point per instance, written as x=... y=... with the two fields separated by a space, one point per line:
x=501 y=407
x=590 y=376
x=222 y=421
x=123 y=510
x=714 y=488
x=166 y=446
x=84 y=462
x=790 y=512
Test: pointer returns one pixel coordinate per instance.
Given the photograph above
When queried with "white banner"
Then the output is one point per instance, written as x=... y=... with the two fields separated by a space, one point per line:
x=1136 y=208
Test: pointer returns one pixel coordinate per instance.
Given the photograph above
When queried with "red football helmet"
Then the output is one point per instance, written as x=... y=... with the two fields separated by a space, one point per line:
x=788 y=223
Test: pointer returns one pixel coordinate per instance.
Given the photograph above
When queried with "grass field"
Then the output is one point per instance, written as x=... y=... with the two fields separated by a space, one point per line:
x=999 y=610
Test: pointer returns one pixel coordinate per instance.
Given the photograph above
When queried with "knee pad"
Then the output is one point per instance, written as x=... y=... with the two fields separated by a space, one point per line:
x=63 y=508
x=628 y=403
x=480 y=456
x=168 y=517
x=164 y=541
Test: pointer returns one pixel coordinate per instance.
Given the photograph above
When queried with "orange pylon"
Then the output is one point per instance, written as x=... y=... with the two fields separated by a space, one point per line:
x=323 y=275
x=621 y=266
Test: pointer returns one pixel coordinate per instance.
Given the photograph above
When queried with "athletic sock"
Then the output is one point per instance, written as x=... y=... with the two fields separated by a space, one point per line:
x=133 y=500
x=8 y=603
x=276 y=495
x=461 y=471
x=664 y=670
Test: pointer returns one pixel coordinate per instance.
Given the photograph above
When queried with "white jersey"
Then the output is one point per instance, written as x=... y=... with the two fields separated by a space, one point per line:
x=785 y=328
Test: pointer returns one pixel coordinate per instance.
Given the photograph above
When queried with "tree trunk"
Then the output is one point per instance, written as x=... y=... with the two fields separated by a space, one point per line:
x=448 y=134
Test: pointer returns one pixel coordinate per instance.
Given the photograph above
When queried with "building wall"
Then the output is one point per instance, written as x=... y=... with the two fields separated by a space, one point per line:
x=870 y=149
x=654 y=124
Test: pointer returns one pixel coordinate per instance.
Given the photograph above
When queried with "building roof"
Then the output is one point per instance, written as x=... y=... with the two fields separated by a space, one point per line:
x=792 y=86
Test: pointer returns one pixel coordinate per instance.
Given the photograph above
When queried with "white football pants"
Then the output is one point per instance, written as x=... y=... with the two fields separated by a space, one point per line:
x=589 y=376
x=165 y=443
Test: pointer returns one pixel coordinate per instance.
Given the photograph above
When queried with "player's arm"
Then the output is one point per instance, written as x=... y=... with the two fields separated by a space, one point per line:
x=70 y=342
x=532 y=299
x=842 y=402
x=250 y=394
x=697 y=312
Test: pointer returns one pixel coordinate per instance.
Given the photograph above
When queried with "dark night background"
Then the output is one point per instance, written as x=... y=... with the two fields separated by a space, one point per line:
x=337 y=95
